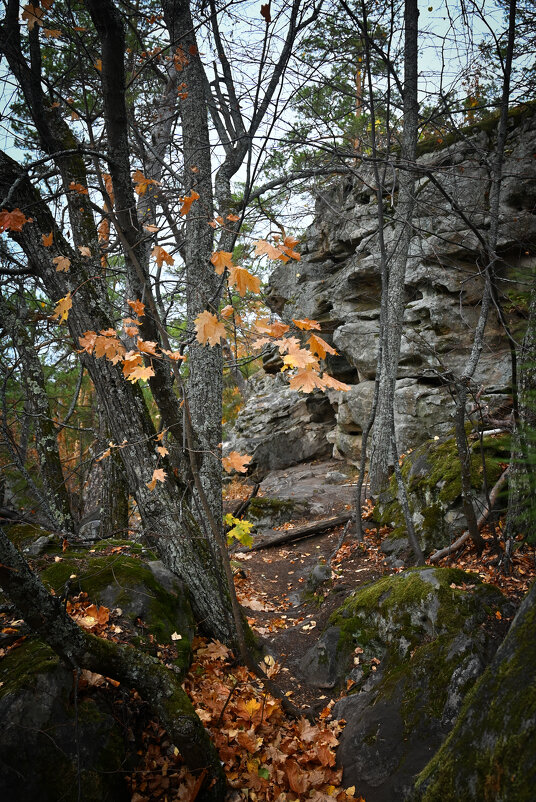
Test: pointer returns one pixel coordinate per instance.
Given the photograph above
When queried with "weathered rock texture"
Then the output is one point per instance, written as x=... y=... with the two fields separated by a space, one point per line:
x=490 y=755
x=279 y=426
x=48 y=736
x=414 y=644
x=337 y=281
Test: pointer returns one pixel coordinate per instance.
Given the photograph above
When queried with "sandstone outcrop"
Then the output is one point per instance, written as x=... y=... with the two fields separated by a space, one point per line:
x=337 y=282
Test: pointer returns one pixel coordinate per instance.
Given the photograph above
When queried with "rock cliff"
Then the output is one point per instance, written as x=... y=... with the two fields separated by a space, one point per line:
x=337 y=282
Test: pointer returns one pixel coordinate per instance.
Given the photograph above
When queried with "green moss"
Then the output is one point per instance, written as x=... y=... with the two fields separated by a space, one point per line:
x=262 y=506
x=491 y=749
x=433 y=479
x=488 y=124
x=20 y=667
x=24 y=534
x=408 y=621
x=125 y=577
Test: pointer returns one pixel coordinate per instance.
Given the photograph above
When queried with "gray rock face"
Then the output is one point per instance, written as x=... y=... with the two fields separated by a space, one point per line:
x=279 y=427
x=414 y=644
x=337 y=282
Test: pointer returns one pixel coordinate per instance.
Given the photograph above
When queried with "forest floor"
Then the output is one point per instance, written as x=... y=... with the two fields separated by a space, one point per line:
x=269 y=755
x=272 y=584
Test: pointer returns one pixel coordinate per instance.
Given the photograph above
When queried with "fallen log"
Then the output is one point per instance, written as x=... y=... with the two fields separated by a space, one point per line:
x=275 y=537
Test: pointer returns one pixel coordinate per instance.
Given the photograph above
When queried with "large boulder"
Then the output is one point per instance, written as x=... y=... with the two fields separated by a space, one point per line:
x=490 y=755
x=337 y=281
x=45 y=740
x=52 y=735
x=413 y=644
x=433 y=481
x=279 y=427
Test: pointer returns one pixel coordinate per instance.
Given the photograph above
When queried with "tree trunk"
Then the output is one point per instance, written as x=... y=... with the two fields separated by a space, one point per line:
x=165 y=516
x=521 y=516
x=162 y=690
x=391 y=330
x=38 y=406
x=203 y=285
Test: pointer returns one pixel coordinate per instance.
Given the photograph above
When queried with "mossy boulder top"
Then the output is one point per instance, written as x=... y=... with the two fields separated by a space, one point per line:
x=412 y=644
x=38 y=742
x=433 y=481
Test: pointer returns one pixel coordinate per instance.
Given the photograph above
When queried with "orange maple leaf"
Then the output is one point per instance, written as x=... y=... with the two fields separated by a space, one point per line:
x=187 y=202
x=243 y=280
x=87 y=341
x=159 y=475
x=264 y=247
x=319 y=346
x=84 y=250
x=140 y=372
x=107 y=344
x=61 y=310
x=335 y=384
x=236 y=462
x=52 y=33
x=221 y=260
x=13 y=221
x=137 y=307
x=104 y=230
x=306 y=324
x=299 y=359
x=306 y=381
x=142 y=183
x=161 y=256
x=209 y=329
x=47 y=239
x=131 y=361
x=227 y=311
x=62 y=263
x=275 y=329
x=80 y=188
x=147 y=347
x=176 y=356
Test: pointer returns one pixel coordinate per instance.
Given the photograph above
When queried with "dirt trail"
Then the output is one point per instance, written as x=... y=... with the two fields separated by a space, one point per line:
x=287 y=612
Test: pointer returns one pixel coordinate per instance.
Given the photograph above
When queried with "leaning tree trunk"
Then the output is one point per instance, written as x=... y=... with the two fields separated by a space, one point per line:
x=161 y=688
x=165 y=516
x=391 y=329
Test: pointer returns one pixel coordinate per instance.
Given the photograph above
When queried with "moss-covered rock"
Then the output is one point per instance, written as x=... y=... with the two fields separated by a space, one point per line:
x=44 y=726
x=45 y=740
x=267 y=512
x=490 y=755
x=433 y=480
x=413 y=644
x=152 y=600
